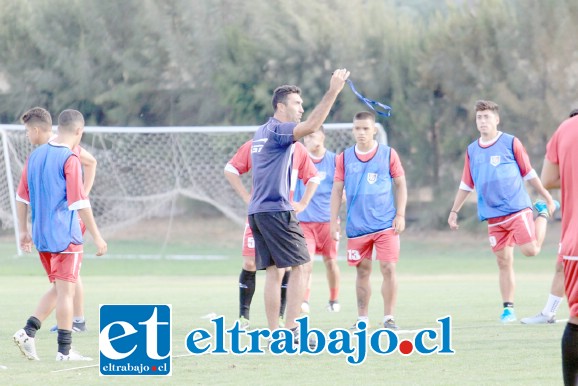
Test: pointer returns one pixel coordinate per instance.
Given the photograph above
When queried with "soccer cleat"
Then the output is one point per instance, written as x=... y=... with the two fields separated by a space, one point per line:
x=539 y=319
x=355 y=328
x=542 y=208
x=311 y=341
x=509 y=315
x=244 y=323
x=390 y=325
x=333 y=306
x=26 y=345
x=305 y=307
x=76 y=327
x=72 y=356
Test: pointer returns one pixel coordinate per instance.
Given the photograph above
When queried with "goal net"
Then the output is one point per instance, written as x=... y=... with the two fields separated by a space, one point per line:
x=145 y=173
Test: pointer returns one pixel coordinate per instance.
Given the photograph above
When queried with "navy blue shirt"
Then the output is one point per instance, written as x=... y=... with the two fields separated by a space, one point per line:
x=272 y=158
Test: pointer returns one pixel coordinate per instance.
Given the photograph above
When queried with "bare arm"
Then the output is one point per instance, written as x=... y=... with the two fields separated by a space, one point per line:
x=310 y=189
x=88 y=163
x=237 y=184
x=400 y=203
x=335 y=205
x=321 y=111
x=22 y=217
x=88 y=220
x=550 y=175
x=461 y=197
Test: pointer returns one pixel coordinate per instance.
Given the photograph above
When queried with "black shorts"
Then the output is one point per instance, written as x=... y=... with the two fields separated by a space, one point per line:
x=279 y=240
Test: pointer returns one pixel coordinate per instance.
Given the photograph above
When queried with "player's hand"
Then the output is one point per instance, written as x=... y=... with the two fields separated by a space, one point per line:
x=298 y=207
x=551 y=206
x=453 y=221
x=26 y=242
x=101 y=246
x=335 y=230
x=338 y=79
x=398 y=224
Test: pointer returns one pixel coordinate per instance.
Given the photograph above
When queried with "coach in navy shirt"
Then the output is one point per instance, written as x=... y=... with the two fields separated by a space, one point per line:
x=279 y=241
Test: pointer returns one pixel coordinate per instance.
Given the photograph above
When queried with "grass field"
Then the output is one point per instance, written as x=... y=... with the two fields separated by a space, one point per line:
x=438 y=276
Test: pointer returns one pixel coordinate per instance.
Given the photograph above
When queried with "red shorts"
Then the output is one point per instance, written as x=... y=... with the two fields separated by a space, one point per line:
x=571 y=284
x=319 y=240
x=63 y=266
x=515 y=229
x=386 y=246
x=248 y=242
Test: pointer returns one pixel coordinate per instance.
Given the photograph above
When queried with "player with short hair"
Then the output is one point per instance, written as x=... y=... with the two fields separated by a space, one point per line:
x=376 y=191
x=314 y=220
x=497 y=166
x=560 y=170
x=279 y=241
x=38 y=125
x=302 y=169
x=51 y=184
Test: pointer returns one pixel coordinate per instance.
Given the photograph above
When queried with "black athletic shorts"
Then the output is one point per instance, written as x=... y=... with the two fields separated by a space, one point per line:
x=278 y=239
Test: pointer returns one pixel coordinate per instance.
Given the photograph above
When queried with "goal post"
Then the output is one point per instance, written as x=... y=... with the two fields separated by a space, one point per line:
x=142 y=171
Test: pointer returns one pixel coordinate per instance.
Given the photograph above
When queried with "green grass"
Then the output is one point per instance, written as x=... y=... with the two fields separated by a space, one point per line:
x=436 y=278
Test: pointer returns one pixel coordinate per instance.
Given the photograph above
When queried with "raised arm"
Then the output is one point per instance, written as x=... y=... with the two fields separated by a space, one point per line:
x=321 y=111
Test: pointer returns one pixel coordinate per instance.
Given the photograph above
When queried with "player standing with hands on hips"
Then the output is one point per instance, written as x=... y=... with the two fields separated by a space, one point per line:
x=279 y=240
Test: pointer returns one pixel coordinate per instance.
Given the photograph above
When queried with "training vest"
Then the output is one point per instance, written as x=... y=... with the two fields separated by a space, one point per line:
x=368 y=187
x=497 y=178
x=54 y=226
x=318 y=208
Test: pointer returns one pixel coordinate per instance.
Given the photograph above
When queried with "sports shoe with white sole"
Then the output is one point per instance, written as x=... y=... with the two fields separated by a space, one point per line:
x=333 y=306
x=539 y=319
x=542 y=208
x=26 y=345
x=72 y=356
x=76 y=327
x=390 y=325
x=244 y=323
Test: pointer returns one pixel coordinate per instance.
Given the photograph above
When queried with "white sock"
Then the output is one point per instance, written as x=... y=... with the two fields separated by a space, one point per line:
x=387 y=317
x=78 y=319
x=552 y=305
x=363 y=319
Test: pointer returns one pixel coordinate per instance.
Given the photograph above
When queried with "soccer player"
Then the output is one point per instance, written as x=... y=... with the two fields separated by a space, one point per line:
x=314 y=220
x=560 y=170
x=548 y=313
x=38 y=124
x=279 y=240
x=376 y=192
x=303 y=169
x=497 y=166
x=51 y=184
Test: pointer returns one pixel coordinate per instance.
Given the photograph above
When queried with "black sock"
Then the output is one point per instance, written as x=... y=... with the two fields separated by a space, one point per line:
x=570 y=354
x=508 y=305
x=284 y=293
x=32 y=325
x=246 y=292
x=64 y=341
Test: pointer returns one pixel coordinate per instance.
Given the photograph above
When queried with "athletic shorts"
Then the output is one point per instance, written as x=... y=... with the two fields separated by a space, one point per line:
x=571 y=284
x=64 y=265
x=515 y=229
x=278 y=239
x=386 y=244
x=248 y=242
x=319 y=240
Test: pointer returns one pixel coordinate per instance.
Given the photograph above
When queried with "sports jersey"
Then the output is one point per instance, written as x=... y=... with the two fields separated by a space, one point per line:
x=271 y=158
x=561 y=150
x=496 y=174
x=318 y=208
x=51 y=184
x=368 y=185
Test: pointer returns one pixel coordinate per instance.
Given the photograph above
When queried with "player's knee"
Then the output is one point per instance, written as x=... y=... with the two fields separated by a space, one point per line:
x=532 y=251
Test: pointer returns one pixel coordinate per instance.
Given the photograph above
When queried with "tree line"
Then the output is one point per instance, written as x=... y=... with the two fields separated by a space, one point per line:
x=216 y=62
